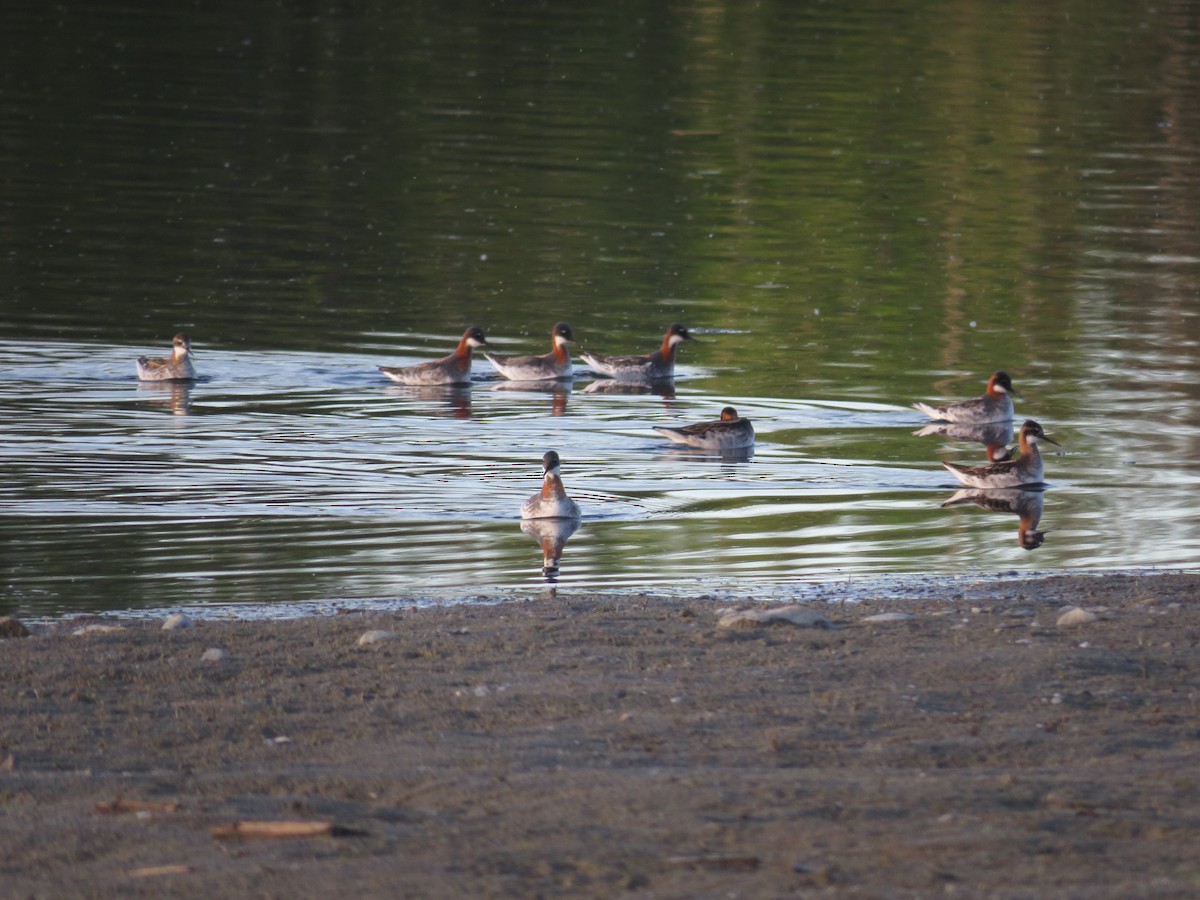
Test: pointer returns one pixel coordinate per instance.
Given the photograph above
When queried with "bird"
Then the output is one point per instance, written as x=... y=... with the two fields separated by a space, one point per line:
x=659 y=364
x=552 y=366
x=176 y=367
x=452 y=369
x=730 y=432
x=1027 y=468
x=551 y=502
x=994 y=406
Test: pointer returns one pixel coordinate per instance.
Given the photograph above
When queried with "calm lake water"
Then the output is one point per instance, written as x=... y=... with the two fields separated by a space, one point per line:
x=854 y=206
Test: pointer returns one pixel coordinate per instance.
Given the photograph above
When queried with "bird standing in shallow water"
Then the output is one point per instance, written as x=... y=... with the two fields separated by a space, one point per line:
x=549 y=367
x=656 y=365
x=994 y=406
x=551 y=502
x=176 y=367
x=730 y=432
x=1027 y=468
x=452 y=369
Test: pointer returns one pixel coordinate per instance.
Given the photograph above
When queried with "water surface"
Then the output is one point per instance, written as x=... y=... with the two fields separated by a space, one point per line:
x=855 y=208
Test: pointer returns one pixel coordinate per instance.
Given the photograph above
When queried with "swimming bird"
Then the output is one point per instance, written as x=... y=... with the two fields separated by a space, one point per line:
x=659 y=364
x=994 y=406
x=452 y=369
x=730 y=432
x=552 y=366
x=1027 y=468
x=176 y=367
x=552 y=501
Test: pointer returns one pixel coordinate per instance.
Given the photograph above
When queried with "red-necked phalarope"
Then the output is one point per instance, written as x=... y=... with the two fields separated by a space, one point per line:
x=994 y=406
x=176 y=367
x=452 y=369
x=552 y=366
x=552 y=501
x=1025 y=469
x=659 y=364
x=730 y=432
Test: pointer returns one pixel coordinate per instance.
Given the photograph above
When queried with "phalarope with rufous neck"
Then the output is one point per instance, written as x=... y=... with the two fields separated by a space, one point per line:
x=994 y=406
x=730 y=432
x=1027 y=468
x=552 y=501
x=551 y=366
x=659 y=364
x=452 y=369
x=176 y=367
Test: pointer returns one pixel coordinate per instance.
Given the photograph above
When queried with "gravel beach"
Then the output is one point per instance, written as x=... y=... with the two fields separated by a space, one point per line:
x=1030 y=738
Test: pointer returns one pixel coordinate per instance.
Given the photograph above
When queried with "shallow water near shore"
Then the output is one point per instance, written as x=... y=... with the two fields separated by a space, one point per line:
x=853 y=208
x=294 y=477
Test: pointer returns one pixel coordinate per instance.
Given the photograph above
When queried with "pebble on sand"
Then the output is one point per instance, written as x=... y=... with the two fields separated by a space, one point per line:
x=375 y=636
x=1076 y=616
x=214 y=654
x=98 y=629
x=889 y=617
x=176 y=621
x=800 y=616
x=12 y=628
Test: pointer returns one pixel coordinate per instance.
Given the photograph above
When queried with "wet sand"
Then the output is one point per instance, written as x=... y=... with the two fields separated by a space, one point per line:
x=599 y=746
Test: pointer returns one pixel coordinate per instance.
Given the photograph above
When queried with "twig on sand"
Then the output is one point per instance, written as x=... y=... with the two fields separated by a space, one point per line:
x=281 y=829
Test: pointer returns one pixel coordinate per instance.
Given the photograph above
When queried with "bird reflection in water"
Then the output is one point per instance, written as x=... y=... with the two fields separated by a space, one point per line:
x=664 y=387
x=173 y=396
x=558 y=391
x=1026 y=503
x=552 y=535
x=727 y=457
x=995 y=436
x=450 y=400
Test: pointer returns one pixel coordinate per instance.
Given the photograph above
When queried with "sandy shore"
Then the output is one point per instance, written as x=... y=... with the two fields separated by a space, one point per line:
x=585 y=746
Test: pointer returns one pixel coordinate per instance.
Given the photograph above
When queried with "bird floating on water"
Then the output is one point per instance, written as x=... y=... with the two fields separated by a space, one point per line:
x=452 y=369
x=652 y=366
x=730 y=432
x=551 y=366
x=551 y=502
x=994 y=406
x=176 y=367
x=1027 y=468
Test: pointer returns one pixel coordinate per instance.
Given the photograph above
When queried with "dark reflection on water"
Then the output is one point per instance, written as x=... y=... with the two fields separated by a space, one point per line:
x=552 y=536
x=861 y=205
x=1026 y=503
x=995 y=436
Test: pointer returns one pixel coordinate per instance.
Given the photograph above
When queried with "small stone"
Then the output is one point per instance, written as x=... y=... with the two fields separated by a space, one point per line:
x=375 y=636
x=1076 y=616
x=12 y=628
x=176 y=621
x=800 y=616
x=97 y=629
x=889 y=617
x=214 y=654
